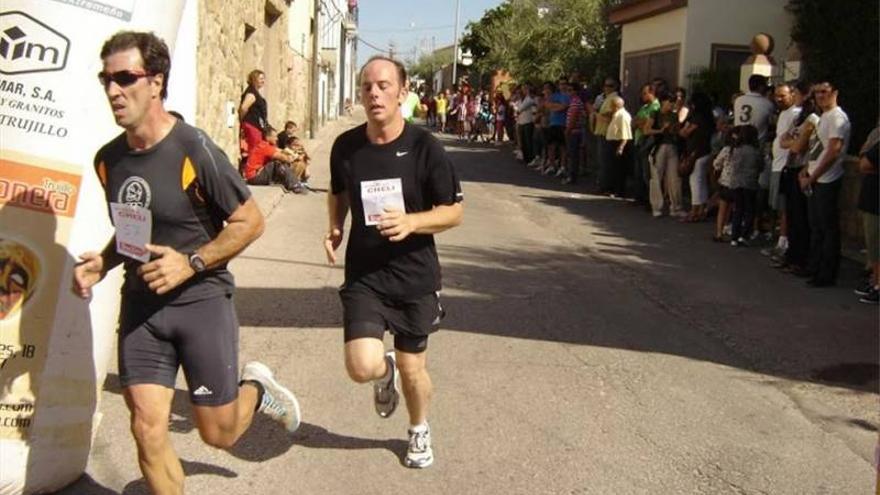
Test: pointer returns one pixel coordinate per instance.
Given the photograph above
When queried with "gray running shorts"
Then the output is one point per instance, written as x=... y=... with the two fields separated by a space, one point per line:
x=201 y=336
x=411 y=320
x=777 y=200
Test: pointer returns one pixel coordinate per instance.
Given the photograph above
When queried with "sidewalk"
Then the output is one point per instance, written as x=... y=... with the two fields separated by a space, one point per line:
x=268 y=197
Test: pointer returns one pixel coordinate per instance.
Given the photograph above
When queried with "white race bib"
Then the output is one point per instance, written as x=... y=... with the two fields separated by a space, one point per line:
x=377 y=195
x=134 y=225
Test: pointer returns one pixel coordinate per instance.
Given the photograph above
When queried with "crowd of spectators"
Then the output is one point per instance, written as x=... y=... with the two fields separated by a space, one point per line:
x=766 y=166
x=267 y=156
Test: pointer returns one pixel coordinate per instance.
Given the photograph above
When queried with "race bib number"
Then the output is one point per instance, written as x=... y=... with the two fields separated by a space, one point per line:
x=134 y=225
x=377 y=195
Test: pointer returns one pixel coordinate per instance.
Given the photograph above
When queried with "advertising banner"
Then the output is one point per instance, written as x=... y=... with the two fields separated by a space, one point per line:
x=54 y=116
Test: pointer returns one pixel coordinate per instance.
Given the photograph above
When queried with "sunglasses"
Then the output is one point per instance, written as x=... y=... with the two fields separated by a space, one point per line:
x=123 y=78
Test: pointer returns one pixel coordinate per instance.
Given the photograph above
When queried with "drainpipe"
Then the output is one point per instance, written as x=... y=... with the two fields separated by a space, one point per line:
x=313 y=103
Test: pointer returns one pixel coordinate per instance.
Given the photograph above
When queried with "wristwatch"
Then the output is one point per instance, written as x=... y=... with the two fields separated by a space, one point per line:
x=197 y=263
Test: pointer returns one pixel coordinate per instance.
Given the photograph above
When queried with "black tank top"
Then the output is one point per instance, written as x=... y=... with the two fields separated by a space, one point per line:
x=257 y=114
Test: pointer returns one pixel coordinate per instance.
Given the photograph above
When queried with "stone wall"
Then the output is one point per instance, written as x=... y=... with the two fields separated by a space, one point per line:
x=236 y=37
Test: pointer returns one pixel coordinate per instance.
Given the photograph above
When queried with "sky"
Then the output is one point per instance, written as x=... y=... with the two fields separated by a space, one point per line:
x=414 y=26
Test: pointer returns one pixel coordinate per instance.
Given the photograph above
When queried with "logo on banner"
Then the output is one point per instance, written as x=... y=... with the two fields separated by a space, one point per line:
x=28 y=45
x=19 y=268
x=135 y=191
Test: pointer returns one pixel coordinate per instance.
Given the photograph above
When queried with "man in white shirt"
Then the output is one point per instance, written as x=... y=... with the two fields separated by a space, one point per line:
x=821 y=182
x=787 y=116
x=525 y=121
x=753 y=108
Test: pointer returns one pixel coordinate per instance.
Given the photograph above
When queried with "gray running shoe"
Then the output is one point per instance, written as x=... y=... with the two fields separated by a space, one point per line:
x=386 y=392
x=419 y=454
x=278 y=402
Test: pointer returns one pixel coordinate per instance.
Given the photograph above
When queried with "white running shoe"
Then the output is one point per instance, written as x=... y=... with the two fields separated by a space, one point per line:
x=386 y=391
x=278 y=402
x=419 y=454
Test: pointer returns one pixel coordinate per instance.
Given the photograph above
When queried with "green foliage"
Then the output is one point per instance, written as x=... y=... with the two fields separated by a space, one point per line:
x=719 y=84
x=572 y=35
x=430 y=63
x=840 y=40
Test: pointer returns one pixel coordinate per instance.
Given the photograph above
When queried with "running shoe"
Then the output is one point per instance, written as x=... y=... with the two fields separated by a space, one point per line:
x=419 y=454
x=872 y=297
x=278 y=402
x=864 y=290
x=386 y=390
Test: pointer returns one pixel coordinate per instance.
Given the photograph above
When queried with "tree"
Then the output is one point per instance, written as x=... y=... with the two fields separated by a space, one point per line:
x=429 y=63
x=546 y=39
x=839 y=41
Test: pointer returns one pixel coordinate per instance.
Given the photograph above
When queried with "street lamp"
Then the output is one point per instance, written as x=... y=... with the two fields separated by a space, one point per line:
x=455 y=43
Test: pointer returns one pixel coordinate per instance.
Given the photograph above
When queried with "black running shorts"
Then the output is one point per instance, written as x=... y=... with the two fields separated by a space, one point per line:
x=201 y=336
x=368 y=314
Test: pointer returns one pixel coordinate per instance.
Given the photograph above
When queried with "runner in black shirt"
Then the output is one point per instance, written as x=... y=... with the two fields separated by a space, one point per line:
x=401 y=188
x=176 y=307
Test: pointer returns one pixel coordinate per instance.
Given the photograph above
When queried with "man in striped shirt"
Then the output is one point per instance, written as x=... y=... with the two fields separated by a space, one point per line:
x=574 y=128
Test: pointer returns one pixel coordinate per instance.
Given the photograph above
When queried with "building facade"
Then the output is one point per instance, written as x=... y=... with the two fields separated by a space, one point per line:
x=221 y=41
x=675 y=39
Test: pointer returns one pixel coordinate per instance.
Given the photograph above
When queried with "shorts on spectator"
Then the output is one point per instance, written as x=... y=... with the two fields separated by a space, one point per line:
x=872 y=236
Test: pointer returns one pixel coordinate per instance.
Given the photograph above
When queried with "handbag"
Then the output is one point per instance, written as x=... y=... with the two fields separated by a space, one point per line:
x=686 y=166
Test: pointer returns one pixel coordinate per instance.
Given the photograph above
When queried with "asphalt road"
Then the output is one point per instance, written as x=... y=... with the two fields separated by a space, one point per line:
x=589 y=349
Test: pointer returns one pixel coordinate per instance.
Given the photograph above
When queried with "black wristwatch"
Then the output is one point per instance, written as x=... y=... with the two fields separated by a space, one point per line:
x=197 y=263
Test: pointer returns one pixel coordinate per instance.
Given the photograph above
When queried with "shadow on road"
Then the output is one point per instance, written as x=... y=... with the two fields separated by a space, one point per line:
x=86 y=485
x=631 y=265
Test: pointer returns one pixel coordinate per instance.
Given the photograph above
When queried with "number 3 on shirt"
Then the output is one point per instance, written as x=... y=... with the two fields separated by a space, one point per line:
x=746 y=114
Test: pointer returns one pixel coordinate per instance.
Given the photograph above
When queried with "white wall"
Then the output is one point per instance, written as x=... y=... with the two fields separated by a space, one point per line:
x=299 y=27
x=182 y=82
x=668 y=28
x=733 y=23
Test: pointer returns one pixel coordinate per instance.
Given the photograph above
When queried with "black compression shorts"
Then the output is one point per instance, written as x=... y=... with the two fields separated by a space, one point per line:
x=201 y=336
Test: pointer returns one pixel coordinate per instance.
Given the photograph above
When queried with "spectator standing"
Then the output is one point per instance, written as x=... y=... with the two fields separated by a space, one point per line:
x=788 y=114
x=619 y=136
x=600 y=129
x=681 y=108
x=723 y=168
x=441 y=104
x=574 y=128
x=431 y=104
x=697 y=132
x=538 y=146
x=821 y=181
x=644 y=119
x=253 y=111
x=500 y=116
x=665 y=181
x=796 y=141
x=525 y=120
x=556 y=101
x=869 y=197
x=745 y=164
x=755 y=109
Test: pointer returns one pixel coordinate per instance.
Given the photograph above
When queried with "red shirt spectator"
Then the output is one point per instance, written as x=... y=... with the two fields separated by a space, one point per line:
x=258 y=157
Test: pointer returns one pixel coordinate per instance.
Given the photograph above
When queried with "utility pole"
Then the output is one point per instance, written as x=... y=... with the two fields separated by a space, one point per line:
x=391 y=48
x=455 y=45
x=313 y=104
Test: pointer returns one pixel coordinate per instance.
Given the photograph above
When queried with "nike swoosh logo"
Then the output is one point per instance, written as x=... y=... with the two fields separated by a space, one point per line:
x=401 y=153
